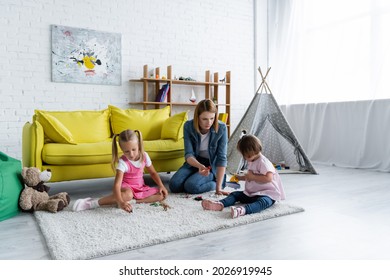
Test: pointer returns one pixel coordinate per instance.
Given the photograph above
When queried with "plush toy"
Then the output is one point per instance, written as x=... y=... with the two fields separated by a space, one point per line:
x=35 y=197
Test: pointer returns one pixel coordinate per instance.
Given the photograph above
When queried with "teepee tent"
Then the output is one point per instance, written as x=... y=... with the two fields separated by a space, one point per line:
x=265 y=120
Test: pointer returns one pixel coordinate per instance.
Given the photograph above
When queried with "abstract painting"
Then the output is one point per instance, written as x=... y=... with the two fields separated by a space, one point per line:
x=85 y=56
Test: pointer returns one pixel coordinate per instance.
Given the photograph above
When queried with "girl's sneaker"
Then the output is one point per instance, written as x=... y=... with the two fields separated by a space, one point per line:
x=82 y=204
x=237 y=211
x=212 y=205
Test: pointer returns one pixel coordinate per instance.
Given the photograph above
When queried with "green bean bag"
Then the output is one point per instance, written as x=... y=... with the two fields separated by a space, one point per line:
x=10 y=186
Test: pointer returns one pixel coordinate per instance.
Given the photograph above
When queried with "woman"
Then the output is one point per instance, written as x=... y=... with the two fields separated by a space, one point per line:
x=205 y=147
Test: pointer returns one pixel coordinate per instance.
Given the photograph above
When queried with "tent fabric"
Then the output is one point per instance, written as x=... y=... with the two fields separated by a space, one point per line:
x=265 y=120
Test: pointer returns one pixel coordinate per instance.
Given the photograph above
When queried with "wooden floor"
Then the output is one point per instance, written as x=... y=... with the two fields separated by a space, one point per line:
x=347 y=217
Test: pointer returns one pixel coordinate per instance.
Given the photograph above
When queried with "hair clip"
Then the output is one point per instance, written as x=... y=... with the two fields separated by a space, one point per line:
x=243 y=133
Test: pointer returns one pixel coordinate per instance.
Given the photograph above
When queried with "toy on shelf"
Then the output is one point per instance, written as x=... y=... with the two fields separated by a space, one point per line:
x=186 y=79
x=193 y=97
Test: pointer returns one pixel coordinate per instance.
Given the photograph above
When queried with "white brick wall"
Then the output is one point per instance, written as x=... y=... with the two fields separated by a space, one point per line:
x=192 y=36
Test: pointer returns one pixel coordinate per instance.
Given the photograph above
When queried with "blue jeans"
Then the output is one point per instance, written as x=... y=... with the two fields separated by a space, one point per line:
x=188 y=180
x=254 y=204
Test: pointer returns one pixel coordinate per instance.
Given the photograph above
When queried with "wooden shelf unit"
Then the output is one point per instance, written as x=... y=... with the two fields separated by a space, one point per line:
x=208 y=84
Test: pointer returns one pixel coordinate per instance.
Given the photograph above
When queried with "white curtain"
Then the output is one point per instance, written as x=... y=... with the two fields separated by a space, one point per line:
x=329 y=50
x=351 y=134
x=330 y=62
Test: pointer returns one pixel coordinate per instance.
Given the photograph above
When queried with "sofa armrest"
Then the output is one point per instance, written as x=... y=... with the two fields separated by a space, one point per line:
x=32 y=144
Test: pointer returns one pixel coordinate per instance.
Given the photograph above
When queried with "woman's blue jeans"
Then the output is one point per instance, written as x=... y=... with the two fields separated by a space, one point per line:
x=254 y=204
x=188 y=180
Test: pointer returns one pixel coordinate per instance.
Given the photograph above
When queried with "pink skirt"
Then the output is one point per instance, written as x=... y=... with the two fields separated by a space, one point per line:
x=141 y=192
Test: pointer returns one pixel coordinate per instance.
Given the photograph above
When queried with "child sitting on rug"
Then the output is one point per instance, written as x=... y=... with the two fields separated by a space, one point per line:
x=129 y=182
x=263 y=185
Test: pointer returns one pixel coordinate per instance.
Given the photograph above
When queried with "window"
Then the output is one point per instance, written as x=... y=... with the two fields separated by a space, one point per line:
x=329 y=51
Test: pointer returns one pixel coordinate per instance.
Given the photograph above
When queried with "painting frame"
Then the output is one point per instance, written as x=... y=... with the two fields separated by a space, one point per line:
x=85 y=56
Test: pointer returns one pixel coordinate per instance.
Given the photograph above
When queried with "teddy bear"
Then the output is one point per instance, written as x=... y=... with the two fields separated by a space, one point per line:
x=35 y=197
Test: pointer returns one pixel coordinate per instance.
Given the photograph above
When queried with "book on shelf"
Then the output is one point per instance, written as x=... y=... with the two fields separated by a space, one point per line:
x=164 y=97
x=223 y=117
x=162 y=93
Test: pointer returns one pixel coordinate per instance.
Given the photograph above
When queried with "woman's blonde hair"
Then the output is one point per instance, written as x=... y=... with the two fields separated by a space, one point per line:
x=249 y=145
x=206 y=105
x=123 y=137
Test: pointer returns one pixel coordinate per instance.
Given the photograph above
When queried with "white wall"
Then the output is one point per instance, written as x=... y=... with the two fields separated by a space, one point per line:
x=192 y=36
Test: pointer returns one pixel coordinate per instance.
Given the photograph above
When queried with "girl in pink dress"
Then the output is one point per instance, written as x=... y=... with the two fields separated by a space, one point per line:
x=129 y=182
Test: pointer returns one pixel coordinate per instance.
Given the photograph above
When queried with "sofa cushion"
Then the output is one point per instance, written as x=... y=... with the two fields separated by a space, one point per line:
x=54 y=129
x=167 y=145
x=84 y=126
x=83 y=153
x=173 y=127
x=165 y=149
x=164 y=156
x=101 y=152
x=149 y=122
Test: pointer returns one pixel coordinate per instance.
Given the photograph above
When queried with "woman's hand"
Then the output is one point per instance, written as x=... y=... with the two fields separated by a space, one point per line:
x=204 y=171
x=125 y=206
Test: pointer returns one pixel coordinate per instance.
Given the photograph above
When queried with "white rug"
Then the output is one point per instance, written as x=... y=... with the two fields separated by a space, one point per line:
x=103 y=231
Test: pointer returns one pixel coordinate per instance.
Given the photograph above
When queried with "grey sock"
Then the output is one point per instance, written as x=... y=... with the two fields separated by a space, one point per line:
x=95 y=203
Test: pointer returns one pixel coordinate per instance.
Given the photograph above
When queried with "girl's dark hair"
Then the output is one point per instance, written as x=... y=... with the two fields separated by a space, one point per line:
x=126 y=136
x=205 y=105
x=249 y=145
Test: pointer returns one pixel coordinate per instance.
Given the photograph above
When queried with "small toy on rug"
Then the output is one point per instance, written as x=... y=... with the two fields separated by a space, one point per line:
x=198 y=198
x=164 y=205
x=35 y=197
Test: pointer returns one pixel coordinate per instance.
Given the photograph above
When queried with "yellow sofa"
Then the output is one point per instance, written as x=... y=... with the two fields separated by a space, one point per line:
x=77 y=145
